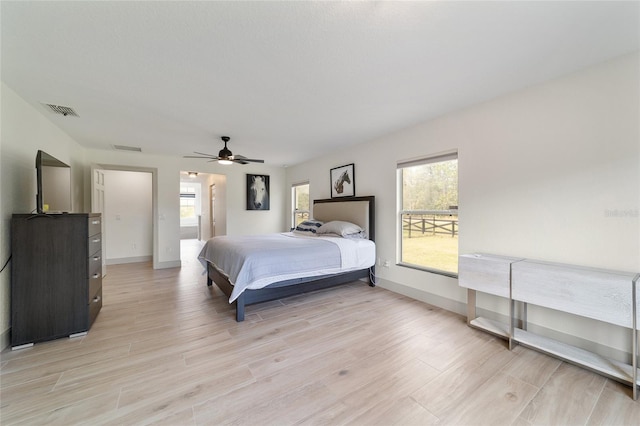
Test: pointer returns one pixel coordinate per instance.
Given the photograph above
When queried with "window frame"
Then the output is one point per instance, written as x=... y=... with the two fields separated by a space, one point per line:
x=294 y=210
x=431 y=159
x=190 y=191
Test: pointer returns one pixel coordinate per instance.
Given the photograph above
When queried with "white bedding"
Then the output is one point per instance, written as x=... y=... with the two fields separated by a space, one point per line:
x=254 y=262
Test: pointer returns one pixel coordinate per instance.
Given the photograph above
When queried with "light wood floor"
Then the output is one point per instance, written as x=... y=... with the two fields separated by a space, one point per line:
x=166 y=349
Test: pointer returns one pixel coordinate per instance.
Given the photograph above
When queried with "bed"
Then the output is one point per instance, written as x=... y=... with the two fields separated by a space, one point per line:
x=246 y=288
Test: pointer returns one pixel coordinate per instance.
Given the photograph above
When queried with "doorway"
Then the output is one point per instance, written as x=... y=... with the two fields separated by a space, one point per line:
x=202 y=210
x=212 y=209
x=126 y=197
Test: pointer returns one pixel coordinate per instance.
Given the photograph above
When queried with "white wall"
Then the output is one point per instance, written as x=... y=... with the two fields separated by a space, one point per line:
x=128 y=216
x=24 y=131
x=219 y=181
x=205 y=227
x=220 y=207
x=541 y=174
x=167 y=216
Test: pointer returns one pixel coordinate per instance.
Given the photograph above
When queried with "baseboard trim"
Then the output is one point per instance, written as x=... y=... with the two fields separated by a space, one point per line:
x=461 y=308
x=142 y=259
x=123 y=260
x=423 y=296
x=167 y=265
x=5 y=340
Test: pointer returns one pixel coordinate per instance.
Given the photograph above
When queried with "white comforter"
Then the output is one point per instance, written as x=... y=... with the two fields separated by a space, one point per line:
x=255 y=261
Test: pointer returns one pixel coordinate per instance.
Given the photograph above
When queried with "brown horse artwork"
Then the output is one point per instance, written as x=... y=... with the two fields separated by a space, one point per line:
x=339 y=184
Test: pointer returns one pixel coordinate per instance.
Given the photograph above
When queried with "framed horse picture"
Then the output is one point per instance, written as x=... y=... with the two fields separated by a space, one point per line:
x=257 y=192
x=343 y=181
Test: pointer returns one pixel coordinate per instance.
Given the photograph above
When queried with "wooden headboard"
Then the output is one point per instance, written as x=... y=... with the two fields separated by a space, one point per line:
x=358 y=210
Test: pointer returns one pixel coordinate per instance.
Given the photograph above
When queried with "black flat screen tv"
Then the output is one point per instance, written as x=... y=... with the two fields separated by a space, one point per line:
x=54 y=184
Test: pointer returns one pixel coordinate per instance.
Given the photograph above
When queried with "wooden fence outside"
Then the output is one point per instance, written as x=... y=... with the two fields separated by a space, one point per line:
x=430 y=224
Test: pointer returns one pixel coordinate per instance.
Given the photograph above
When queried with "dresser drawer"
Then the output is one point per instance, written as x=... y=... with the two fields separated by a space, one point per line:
x=95 y=286
x=95 y=264
x=95 y=243
x=94 y=306
x=95 y=225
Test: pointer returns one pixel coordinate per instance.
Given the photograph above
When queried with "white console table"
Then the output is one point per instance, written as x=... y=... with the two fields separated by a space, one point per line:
x=486 y=273
x=603 y=295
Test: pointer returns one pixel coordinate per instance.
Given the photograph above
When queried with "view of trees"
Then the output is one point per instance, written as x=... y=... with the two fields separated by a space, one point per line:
x=302 y=197
x=429 y=240
x=432 y=186
x=301 y=203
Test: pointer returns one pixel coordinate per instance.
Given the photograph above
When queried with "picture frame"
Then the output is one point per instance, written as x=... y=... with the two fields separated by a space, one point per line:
x=257 y=192
x=343 y=181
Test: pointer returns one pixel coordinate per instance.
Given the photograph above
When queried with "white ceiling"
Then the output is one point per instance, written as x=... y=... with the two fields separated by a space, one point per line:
x=289 y=81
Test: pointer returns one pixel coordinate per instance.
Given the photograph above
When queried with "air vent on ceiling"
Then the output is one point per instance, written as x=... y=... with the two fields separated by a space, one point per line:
x=63 y=110
x=127 y=148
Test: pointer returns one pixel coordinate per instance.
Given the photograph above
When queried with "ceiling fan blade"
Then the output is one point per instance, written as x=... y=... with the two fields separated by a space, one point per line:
x=225 y=154
x=243 y=158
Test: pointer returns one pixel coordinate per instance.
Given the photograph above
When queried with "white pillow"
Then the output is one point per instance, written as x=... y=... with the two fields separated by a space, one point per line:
x=343 y=229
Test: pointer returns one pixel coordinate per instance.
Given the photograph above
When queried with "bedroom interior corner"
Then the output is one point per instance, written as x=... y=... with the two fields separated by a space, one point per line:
x=549 y=170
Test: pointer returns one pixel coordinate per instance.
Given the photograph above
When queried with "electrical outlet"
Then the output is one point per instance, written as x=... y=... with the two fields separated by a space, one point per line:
x=386 y=264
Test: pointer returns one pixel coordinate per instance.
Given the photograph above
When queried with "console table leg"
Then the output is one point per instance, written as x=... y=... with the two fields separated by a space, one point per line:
x=471 y=305
x=512 y=342
x=634 y=336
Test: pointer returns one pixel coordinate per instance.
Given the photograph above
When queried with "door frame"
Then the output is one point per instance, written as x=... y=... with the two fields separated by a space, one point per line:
x=212 y=216
x=154 y=198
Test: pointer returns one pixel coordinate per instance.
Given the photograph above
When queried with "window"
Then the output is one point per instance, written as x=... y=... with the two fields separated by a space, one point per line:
x=300 y=203
x=187 y=204
x=429 y=213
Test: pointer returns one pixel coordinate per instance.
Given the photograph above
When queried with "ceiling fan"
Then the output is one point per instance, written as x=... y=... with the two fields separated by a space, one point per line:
x=225 y=156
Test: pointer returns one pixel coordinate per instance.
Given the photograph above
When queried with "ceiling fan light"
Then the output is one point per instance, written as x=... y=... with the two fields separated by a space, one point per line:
x=225 y=162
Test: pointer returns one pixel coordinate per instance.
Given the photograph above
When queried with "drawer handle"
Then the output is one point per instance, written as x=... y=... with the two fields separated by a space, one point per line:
x=96 y=299
x=96 y=240
x=96 y=275
x=96 y=258
x=95 y=222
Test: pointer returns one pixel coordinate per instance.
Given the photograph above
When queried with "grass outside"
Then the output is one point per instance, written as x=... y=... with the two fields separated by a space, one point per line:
x=431 y=251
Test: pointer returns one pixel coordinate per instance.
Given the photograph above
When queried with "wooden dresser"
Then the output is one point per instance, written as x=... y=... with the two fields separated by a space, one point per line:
x=56 y=278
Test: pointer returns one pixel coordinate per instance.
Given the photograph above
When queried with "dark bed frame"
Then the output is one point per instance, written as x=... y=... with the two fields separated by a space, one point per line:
x=292 y=287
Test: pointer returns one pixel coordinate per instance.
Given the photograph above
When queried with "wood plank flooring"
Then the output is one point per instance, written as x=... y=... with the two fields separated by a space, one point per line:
x=165 y=349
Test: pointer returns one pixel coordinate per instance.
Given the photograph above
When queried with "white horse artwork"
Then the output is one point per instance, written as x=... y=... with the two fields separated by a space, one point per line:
x=257 y=192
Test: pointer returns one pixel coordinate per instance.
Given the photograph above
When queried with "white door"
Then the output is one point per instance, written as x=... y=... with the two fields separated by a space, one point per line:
x=97 y=206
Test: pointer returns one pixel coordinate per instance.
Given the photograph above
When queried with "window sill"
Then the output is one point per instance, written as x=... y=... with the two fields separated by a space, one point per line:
x=430 y=270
